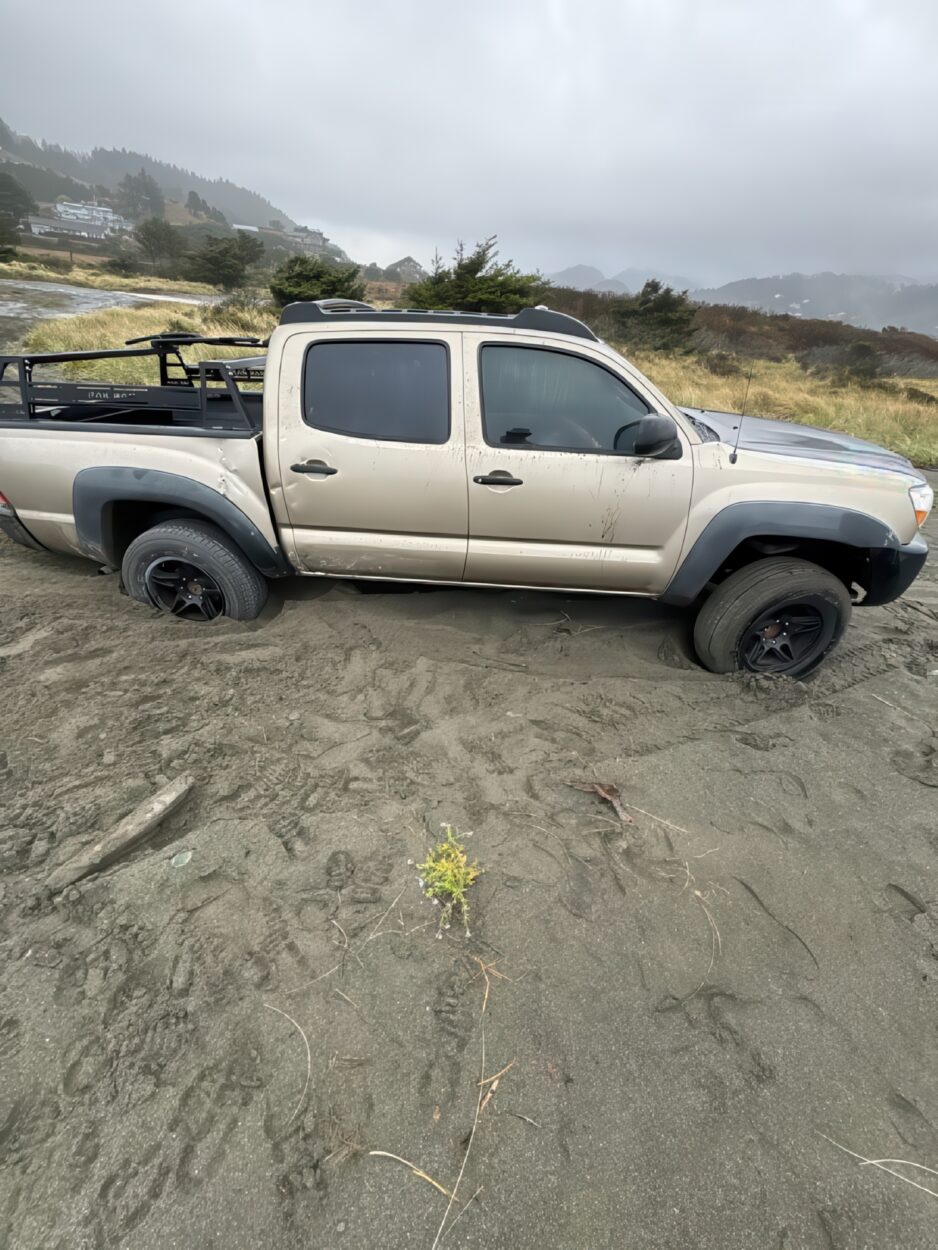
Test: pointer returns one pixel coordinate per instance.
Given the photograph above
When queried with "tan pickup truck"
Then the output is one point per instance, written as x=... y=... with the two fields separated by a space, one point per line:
x=454 y=448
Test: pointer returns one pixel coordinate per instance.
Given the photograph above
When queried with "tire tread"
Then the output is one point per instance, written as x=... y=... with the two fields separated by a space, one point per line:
x=246 y=591
x=752 y=588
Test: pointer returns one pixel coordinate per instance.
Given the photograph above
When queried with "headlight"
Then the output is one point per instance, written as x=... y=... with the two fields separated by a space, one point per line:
x=922 y=499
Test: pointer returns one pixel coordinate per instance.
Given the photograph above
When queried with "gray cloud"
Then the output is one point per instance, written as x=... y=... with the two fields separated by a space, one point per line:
x=718 y=140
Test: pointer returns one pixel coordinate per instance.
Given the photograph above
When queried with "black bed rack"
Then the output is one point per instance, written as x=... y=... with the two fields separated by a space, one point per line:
x=183 y=387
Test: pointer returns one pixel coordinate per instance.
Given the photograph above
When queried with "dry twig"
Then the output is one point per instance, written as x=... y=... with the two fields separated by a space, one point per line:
x=461 y=1213
x=484 y=970
x=527 y=1119
x=386 y=1154
x=489 y=1079
x=309 y=1060
x=465 y=1158
x=375 y=932
x=716 y=942
x=880 y=1163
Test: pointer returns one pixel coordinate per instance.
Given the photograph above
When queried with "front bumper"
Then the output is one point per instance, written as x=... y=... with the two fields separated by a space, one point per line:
x=13 y=527
x=892 y=571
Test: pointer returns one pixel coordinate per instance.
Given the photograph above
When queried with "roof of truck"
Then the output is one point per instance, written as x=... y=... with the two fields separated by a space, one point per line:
x=540 y=318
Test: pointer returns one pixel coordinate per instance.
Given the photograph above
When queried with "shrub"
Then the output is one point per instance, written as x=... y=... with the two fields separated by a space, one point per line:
x=8 y=240
x=241 y=313
x=158 y=240
x=123 y=264
x=918 y=396
x=314 y=277
x=658 y=318
x=476 y=283
x=225 y=262
x=721 y=364
x=862 y=362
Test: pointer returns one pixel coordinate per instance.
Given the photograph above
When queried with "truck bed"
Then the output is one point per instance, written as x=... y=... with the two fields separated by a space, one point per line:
x=211 y=395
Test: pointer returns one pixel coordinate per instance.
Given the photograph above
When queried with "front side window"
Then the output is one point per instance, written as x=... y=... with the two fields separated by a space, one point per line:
x=534 y=397
x=396 y=391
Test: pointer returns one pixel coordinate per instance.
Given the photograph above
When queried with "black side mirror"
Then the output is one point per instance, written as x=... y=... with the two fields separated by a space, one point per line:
x=654 y=435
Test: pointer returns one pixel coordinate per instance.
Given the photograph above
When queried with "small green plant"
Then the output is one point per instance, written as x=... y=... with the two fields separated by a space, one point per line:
x=446 y=875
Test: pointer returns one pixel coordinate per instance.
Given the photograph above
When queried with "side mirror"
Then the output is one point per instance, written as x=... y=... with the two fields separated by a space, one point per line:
x=654 y=435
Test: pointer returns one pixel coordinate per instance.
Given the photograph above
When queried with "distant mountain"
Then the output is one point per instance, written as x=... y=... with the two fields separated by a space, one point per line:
x=857 y=299
x=634 y=279
x=586 y=278
x=579 y=277
x=107 y=166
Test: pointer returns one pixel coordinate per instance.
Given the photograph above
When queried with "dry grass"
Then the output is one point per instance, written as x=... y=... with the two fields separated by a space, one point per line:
x=113 y=326
x=102 y=280
x=782 y=389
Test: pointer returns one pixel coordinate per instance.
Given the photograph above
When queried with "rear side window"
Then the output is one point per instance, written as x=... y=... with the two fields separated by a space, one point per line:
x=396 y=391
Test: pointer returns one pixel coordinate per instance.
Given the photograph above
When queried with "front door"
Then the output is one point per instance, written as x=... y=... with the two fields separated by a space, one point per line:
x=372 y=454
x=551 y=503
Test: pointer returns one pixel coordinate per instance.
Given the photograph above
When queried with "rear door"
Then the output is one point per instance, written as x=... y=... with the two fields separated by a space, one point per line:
x=551 y=503
x=372 y=454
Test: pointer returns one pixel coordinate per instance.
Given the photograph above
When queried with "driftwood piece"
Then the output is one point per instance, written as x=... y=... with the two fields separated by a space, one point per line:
x=606 y=790
x=131 y=831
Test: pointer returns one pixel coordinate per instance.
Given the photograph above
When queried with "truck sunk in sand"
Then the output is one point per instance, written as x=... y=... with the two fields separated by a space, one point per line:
x=459 y=449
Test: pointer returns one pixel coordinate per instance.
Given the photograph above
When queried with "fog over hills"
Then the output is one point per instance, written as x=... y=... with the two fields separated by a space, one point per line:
x=858 y=299
x=626 y=282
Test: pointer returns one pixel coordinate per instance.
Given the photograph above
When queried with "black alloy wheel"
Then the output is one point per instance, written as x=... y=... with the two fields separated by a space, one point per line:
x=182 y=589
x=790 y=636
x=779 y=616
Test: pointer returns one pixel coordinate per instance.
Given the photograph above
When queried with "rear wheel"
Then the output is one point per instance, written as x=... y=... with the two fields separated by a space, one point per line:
x=192 y=569
x=779 y=616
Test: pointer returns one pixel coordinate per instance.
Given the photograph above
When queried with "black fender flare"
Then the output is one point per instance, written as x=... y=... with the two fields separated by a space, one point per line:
x=739 y=521
x=96 y=490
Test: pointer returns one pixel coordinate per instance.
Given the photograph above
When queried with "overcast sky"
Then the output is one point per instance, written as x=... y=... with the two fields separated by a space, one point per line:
x=710 y=138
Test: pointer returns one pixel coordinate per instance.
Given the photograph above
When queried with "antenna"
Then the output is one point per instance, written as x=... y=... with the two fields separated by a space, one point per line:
x=734 y=454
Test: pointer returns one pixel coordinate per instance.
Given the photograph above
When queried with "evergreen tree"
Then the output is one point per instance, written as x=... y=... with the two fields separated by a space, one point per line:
x=225 y=262
x=15 y=204
x=313 y=277
x=158 y=240
x=476 y=282
x=658 y=317
x=139 y=195
x=15 y=200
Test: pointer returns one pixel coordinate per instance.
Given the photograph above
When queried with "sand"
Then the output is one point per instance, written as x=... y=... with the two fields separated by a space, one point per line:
x=690 y=1002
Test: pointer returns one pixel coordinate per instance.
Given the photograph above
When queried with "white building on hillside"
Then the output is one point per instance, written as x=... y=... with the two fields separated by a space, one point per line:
x=93 y=215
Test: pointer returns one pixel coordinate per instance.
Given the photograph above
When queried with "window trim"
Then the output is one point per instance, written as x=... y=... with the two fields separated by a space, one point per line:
x=557 y=351
x=322 y=429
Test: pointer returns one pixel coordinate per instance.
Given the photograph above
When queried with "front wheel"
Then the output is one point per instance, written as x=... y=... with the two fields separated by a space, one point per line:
x=779 y=616
x=192 y=569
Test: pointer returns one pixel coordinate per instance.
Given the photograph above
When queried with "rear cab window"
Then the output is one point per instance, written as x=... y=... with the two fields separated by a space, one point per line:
x=394 y=390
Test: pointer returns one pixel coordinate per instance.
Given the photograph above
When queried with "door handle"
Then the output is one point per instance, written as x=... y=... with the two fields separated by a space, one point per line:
x=313 y=466
x=498 y=479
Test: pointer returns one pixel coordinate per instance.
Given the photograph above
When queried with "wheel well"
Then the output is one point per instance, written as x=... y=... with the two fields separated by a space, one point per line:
x=850 y=564
x=127 y=519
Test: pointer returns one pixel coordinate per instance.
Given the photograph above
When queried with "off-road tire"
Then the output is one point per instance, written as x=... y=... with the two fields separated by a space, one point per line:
x=208 y=548
x=753 y=592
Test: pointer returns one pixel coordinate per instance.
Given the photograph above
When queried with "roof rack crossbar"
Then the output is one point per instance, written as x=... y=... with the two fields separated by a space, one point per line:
x=540 y=319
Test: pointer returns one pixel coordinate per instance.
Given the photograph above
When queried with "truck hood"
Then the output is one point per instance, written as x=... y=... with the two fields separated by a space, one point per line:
x=784 y=438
